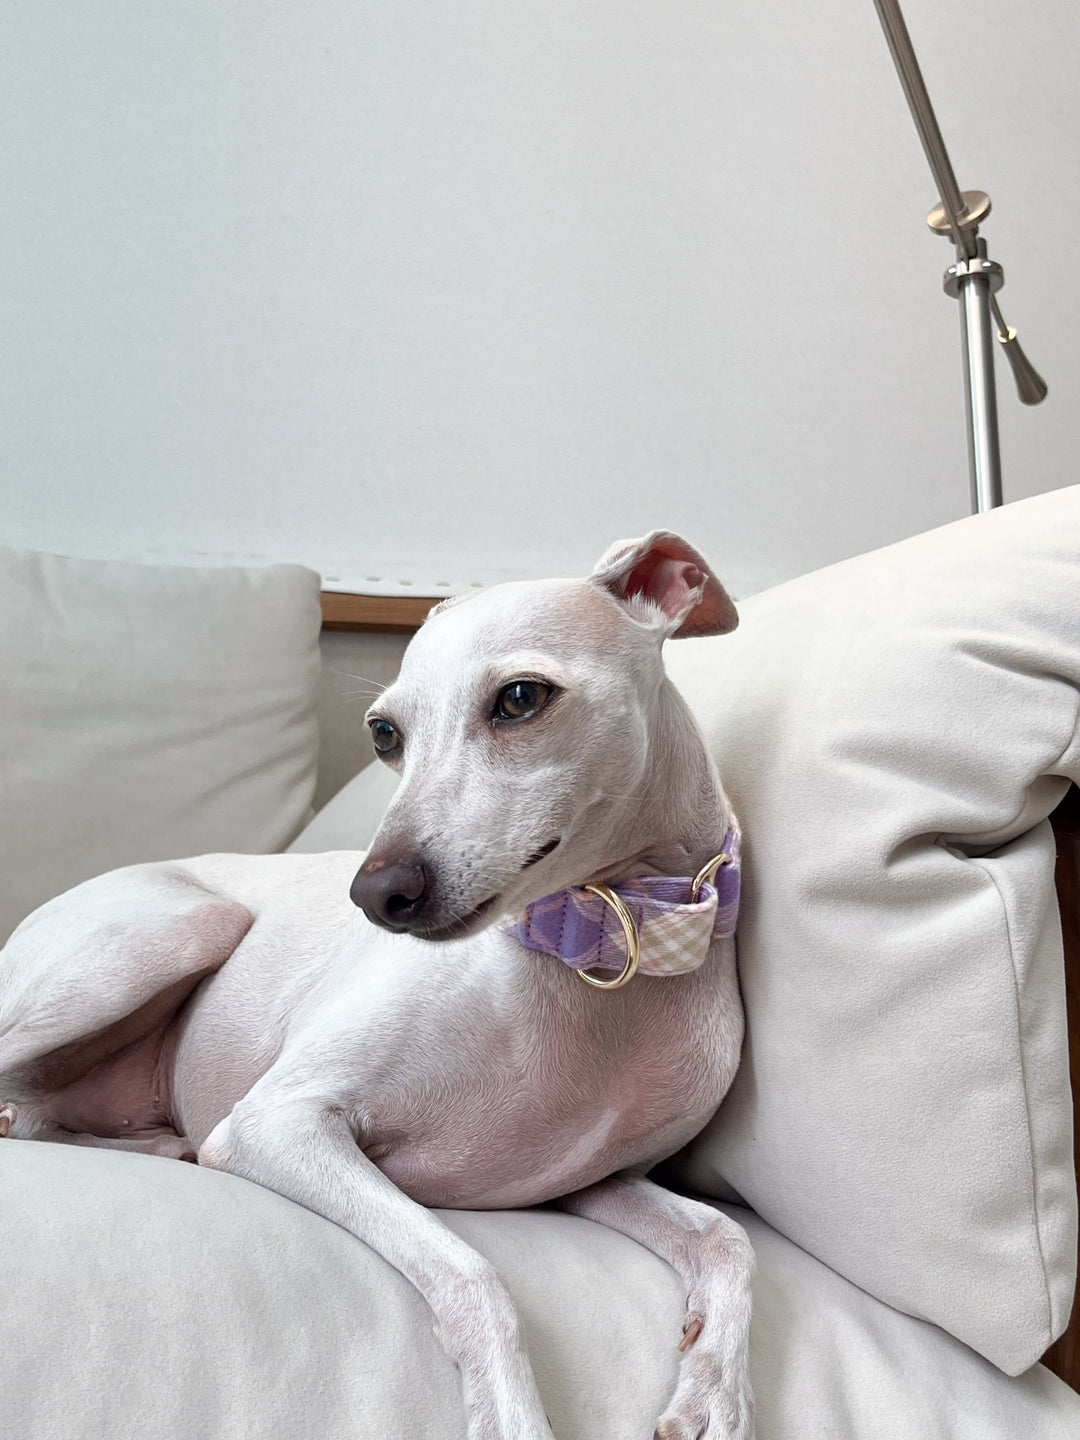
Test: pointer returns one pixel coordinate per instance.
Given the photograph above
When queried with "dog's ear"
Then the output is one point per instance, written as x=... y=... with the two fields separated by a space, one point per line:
x=669 y=574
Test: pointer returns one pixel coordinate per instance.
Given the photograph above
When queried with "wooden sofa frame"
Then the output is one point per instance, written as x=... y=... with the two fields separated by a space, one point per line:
x=403 y=614
x=1063 y=1357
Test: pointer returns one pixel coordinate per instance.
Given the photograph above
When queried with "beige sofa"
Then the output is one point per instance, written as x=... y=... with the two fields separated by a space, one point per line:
x=894 y=732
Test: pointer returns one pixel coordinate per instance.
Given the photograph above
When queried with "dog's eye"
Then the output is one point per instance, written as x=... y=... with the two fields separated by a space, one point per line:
x=384 y=737
x=522 y=699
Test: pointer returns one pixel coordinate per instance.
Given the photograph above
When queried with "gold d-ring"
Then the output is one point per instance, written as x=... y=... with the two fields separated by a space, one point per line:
x=633 y=940
x=707 y=873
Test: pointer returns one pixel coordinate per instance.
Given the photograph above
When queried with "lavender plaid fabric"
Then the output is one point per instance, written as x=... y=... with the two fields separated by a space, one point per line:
x=585 y=933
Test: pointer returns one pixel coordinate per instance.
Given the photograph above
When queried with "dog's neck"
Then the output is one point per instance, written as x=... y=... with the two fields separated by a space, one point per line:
x=679 y=816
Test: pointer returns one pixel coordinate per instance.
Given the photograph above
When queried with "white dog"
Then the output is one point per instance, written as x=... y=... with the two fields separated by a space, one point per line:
x=441 y=1048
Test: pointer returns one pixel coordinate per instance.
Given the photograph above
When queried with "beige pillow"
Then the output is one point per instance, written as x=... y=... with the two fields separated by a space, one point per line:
x=893 y=731
x=148 y=712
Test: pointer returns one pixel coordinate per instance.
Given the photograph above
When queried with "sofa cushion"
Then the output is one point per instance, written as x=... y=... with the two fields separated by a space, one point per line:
x=893 y=731
x=146 y=1299
x=149 y=712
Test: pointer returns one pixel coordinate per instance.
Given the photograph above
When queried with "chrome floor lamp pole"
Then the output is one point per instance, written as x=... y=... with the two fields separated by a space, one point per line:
x=973 y=280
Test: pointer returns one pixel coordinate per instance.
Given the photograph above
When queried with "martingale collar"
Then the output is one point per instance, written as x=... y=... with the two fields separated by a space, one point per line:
x=662 y=925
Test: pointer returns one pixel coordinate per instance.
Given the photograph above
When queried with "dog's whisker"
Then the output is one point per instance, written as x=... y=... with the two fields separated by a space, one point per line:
x=350 y=675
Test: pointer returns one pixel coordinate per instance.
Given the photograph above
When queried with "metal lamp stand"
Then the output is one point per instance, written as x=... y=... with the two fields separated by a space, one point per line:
x=973 y=280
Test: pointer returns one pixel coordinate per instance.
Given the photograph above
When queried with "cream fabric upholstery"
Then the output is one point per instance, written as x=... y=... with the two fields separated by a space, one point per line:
x=893 y=731
x=356 y=665
x=350 y=819
x=145 y=1299
x=149 y=712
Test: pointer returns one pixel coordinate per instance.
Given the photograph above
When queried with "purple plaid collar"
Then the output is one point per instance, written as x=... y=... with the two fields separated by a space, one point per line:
x=676 y=931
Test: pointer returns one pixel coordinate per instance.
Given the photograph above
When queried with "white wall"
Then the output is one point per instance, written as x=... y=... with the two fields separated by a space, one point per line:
x=446 y=292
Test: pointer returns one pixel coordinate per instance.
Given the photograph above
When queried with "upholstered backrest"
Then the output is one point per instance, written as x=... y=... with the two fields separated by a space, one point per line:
x=149 y=712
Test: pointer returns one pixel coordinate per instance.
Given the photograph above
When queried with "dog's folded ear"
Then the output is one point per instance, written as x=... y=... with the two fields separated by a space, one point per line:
x=667 y=573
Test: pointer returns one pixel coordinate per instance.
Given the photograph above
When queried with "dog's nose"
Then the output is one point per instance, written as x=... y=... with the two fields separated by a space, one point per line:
x=391 y=893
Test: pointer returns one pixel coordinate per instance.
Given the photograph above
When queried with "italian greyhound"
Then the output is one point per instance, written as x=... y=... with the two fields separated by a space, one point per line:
x=454 y=1020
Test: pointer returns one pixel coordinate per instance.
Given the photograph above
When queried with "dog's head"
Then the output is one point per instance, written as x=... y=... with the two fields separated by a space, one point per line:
x=538 y=740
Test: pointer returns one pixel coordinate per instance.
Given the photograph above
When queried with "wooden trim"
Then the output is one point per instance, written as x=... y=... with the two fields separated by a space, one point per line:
x=1063 y=1357
x=399 y=614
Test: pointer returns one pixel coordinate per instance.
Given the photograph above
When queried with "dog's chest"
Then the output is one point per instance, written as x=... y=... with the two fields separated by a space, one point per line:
x=543 y=1086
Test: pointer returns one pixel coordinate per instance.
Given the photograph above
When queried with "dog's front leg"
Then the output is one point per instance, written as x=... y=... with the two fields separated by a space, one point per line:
x=307 y=1151
x=714 y=1259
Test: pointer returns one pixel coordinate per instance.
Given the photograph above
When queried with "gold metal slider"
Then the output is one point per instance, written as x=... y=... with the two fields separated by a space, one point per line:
x=707 y=873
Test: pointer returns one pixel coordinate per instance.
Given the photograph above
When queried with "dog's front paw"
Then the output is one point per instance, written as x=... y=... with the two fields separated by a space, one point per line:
x=8 y=1116
x=718 y=1415
x=713 y=1399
